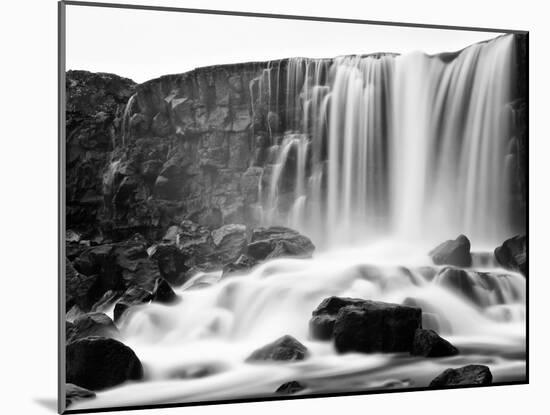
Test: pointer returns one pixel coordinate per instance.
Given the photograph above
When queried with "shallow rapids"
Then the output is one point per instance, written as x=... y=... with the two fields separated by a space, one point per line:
x=194 y=350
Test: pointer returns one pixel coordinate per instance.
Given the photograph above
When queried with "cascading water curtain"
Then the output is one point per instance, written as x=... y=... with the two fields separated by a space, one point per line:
x=410 y=146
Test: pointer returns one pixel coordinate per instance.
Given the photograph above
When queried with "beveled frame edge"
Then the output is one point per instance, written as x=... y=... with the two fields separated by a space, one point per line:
x=61 y=200
x=61 y=372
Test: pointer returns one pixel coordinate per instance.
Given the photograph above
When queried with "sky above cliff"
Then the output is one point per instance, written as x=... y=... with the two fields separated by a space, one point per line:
x=143 y=45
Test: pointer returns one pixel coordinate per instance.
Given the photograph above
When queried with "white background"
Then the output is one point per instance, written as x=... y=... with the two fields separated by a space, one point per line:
x=28 y=138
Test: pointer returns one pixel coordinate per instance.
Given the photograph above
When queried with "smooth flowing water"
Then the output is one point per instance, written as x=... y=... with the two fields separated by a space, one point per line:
x=195 y=349
x=398 y=152
x=411 y=145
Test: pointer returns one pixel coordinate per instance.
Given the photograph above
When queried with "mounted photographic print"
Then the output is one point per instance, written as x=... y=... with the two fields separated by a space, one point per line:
x=258 y=207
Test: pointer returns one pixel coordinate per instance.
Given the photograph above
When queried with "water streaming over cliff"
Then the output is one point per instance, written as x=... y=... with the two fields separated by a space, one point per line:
x=411 y=145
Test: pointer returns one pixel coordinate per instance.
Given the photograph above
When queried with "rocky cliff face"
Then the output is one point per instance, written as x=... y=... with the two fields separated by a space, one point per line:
x=181 y=147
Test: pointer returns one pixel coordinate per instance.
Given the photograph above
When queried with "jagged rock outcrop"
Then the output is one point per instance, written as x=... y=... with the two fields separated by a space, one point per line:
x=94 y=112
x=512 y=254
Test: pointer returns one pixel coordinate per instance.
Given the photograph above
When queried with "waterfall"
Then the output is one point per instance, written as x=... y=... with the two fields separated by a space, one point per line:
x=126 y=119
x=412 y=146
x=380 y=157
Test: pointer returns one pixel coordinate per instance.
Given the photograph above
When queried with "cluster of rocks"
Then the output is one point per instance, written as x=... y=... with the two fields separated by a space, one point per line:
x=364 y=326
x=134 y=272
x=356 y=325
x=512 y=254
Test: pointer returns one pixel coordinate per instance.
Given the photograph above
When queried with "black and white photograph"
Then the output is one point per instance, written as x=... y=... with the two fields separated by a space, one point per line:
x=263 y=207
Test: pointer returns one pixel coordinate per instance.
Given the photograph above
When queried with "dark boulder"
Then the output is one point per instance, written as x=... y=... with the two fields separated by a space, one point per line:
x=96 y=363
x=466 y=375
x=163 y=293
x=92 y=324
x=321 y=324
x=286 y=348
x=512 y=254
x=171 y=262
x=290 y=388
x=376 y=327
x=278 y=241
x=75 y=393
x=428 y=343
x=453 y=252
x=132 y=296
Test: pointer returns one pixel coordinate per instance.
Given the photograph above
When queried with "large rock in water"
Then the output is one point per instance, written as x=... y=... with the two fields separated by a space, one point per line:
x=512 y=254
x=286 y=348
x=321 y=324
x=92 y=324
x=466 y=375
x=458 y=281
x=163 y=293
x=96 y=363
x=453 y=252
x=278 y=241
x=428 y=343
x=290 y=388
x=376 y=327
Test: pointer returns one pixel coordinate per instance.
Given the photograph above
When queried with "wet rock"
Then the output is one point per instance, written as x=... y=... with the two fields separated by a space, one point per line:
x=466 y=375
x=458 y=281
x=106 y=301
x=428 y=343
x=290 y=388
x=286 y=348
x=92 y=324
x=163 y=293
x=453 y=252
x=131 y=297
x=75 y=393
x=321 y=324
x=512 y=254
x=96 y=363
x=376 y=327
x=278 y=241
